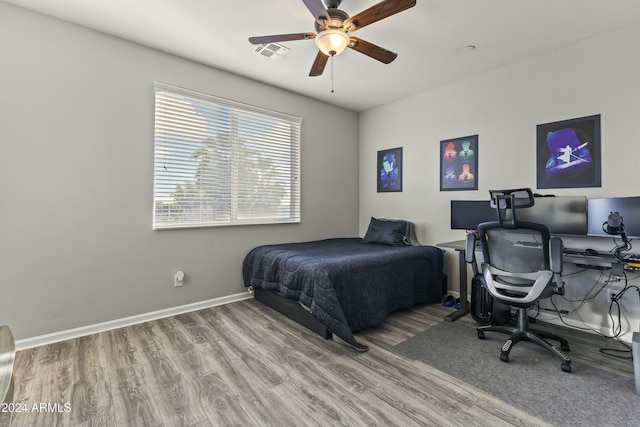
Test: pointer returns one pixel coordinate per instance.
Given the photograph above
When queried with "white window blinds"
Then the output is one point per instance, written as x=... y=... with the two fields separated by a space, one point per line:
x=220 y=162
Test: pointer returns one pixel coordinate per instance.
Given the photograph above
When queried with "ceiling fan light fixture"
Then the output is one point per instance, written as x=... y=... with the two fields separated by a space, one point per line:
x=332 y=42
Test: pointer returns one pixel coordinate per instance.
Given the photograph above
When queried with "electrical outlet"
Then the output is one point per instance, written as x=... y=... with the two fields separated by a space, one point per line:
x=611 y=294
x=178 y=279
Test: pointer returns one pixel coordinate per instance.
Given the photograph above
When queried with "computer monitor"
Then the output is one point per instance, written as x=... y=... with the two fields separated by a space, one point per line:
x=627 y=207
x=563 y=215
x=467 y=214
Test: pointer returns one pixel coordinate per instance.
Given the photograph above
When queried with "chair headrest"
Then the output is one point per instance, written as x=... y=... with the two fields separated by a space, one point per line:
x=512 y=199
x=505 y=202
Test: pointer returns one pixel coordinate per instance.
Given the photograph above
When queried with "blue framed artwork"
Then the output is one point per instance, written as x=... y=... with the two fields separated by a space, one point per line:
x=568 y=153
x=459 y=164
x=389 y=170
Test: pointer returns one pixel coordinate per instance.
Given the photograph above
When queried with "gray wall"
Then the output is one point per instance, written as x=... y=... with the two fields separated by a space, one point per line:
x=598 y=75
x=76 y=179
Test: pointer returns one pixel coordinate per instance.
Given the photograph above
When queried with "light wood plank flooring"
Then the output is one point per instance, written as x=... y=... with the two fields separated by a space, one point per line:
x=243 y=364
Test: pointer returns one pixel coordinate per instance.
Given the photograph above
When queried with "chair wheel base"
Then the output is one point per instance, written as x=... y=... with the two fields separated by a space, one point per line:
x=565 y=347
x=481 y=335
x=566 y=367
x=504 y=357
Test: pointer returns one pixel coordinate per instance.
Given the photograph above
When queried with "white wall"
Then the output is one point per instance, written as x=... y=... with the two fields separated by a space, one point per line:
x=594 y=76
x=76 y=179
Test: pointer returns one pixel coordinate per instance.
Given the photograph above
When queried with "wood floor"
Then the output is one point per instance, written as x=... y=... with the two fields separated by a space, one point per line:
x=243 y=364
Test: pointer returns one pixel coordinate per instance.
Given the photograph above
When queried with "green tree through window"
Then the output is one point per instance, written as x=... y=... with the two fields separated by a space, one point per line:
x=219 y=164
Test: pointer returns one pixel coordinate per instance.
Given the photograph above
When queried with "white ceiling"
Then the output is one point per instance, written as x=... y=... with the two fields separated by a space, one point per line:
x=429 y=38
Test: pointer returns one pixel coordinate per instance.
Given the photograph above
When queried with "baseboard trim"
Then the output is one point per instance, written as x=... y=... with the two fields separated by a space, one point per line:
x=82 y=331
x=586 y=327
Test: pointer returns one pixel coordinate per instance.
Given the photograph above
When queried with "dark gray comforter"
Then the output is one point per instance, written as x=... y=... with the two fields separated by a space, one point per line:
x=347 y=284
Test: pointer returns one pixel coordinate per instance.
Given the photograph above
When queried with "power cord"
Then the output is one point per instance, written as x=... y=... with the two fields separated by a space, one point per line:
x=605 y=351
x=626 y=246
x=582 y=301
x=616 y=329
x=617 y=326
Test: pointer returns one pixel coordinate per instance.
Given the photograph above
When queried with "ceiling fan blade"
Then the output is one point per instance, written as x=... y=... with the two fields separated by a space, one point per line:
x=281 y=38
x=317 y=10
x=372 y=51
x=318 y=65
x=382 y=10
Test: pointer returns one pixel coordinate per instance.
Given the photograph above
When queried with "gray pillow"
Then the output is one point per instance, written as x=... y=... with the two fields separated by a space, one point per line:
x=386 y=232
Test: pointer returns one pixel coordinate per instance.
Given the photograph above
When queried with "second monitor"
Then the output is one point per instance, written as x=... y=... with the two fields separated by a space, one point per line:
x=563 y=215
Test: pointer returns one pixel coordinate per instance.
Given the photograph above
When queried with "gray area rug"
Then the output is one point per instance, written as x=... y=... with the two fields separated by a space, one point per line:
x=532 y=379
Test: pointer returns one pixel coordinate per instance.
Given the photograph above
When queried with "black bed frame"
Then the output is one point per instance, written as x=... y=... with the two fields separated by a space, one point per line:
x=293 y=310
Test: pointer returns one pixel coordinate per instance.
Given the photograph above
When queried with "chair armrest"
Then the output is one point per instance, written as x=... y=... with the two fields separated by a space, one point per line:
x=470 y=252
x=555 y=255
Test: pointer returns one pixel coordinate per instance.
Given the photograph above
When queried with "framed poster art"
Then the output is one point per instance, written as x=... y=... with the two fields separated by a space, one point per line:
x=568 y=153
x=389 y=170
x=459 y=164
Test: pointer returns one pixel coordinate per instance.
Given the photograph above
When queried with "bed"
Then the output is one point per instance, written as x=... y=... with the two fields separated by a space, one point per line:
x=343 y=285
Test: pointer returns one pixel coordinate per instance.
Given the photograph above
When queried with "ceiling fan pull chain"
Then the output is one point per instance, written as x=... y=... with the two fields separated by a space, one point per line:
x=332 y=73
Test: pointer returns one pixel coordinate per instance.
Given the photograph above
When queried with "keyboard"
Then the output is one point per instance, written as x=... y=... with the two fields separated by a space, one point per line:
x=528 y=244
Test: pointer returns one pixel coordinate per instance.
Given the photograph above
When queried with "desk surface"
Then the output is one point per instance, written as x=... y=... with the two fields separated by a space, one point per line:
x=458 y=245
x=573 y=256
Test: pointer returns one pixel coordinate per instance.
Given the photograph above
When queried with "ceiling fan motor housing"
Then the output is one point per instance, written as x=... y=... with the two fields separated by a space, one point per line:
x=337 y=19
x=332 y=4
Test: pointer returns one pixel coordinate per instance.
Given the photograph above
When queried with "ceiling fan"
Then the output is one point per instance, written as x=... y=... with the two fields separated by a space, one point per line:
x=333 y=27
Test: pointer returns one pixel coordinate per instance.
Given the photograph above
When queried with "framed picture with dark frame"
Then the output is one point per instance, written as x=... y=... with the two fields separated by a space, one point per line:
x=459 y=164
x=568 y=153
x=389 y=170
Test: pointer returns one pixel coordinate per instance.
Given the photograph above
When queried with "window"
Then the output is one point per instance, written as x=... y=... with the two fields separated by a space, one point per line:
x=220 y=162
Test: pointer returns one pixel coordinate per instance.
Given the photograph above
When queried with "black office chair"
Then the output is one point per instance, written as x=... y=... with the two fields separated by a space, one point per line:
x=522 y=264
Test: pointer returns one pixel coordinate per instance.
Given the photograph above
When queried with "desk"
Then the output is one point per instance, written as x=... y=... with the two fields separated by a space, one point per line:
x=459 y=246
x=601 y=261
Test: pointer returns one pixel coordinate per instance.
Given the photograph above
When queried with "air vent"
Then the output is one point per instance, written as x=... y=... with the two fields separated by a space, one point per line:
x=271 y=50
